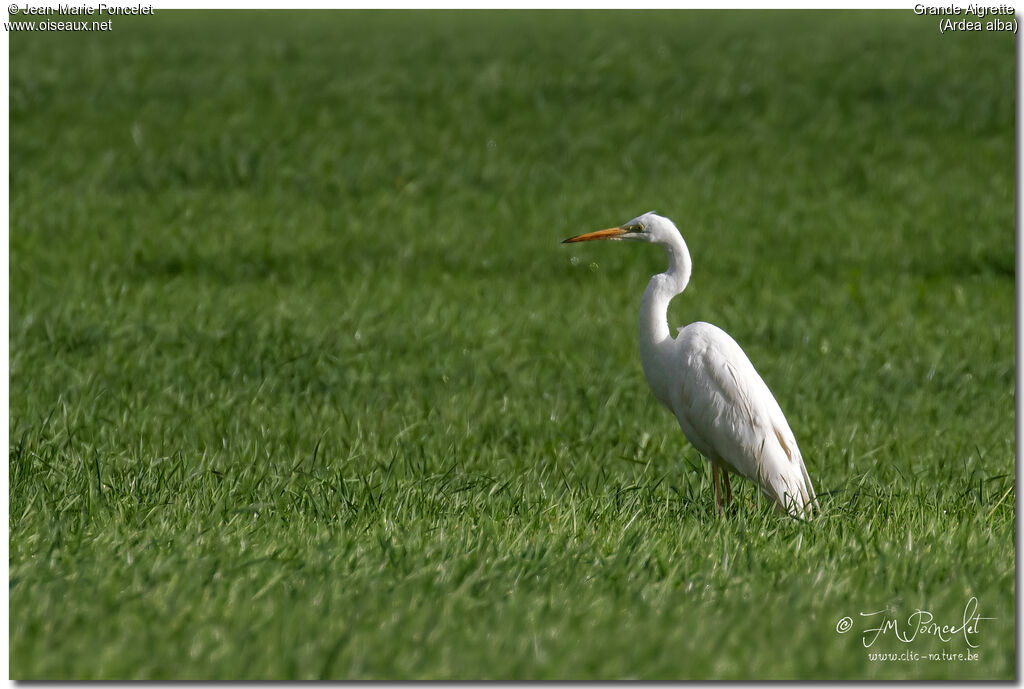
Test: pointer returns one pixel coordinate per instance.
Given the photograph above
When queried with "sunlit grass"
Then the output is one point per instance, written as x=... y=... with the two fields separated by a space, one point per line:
x=303 y=385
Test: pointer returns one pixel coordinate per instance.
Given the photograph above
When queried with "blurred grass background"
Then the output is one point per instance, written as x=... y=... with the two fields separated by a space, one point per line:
x=302 y=384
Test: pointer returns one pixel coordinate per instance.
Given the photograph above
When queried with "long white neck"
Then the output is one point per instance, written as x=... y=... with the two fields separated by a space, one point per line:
x=660 y=290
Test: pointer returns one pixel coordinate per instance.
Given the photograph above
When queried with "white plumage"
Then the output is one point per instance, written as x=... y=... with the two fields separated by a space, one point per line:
x=723 y=406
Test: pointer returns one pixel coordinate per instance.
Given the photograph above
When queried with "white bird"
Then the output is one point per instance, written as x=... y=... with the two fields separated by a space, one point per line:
x=724 y=408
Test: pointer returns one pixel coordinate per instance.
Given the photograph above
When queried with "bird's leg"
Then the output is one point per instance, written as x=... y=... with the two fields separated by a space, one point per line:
x=728 y=488
x=718 y=488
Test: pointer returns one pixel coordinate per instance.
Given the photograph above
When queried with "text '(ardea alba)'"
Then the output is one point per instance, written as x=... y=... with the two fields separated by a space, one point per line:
x=724 y=408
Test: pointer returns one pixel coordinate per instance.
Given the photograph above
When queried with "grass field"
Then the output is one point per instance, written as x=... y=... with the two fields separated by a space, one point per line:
x=303 y=385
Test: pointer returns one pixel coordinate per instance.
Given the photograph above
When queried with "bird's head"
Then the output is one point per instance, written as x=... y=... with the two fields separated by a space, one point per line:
x=649 y=227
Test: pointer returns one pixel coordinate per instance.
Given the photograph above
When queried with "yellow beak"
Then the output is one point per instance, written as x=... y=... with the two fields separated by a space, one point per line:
x=591 y=236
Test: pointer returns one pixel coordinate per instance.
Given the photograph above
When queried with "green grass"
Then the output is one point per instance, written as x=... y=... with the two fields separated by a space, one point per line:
x=302 y=384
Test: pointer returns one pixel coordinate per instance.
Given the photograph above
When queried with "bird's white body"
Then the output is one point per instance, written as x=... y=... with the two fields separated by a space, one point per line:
x=723 y=406
x=728 y=413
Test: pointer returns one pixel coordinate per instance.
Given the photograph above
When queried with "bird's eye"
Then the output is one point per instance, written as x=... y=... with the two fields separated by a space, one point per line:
x=637 y=228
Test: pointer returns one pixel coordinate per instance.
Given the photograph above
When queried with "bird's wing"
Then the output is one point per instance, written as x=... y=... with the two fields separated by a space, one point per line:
x=728 y=409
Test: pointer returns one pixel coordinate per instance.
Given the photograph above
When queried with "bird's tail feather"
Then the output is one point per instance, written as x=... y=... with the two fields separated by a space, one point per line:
x=793 y=491
x=812 y=500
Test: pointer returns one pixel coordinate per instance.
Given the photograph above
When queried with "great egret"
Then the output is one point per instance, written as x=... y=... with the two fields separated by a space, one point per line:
x=724 y=408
